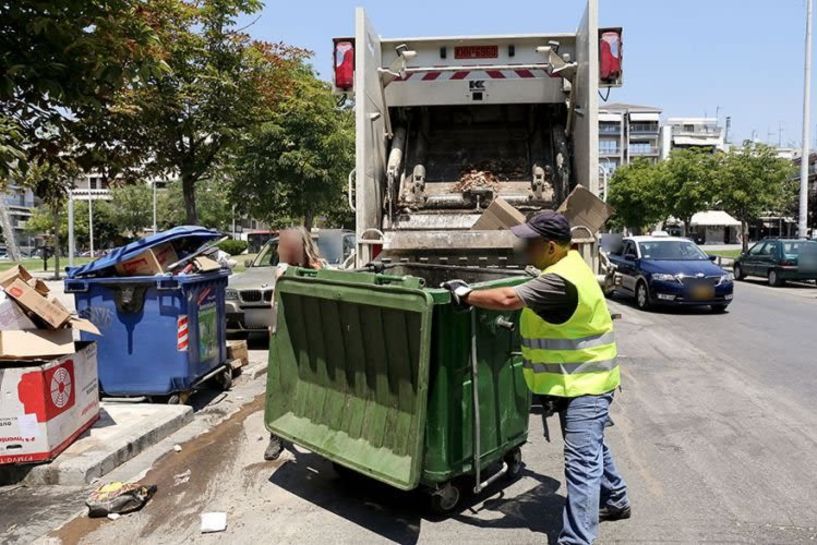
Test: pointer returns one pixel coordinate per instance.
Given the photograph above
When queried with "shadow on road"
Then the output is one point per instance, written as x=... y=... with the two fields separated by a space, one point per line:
x=397 y=515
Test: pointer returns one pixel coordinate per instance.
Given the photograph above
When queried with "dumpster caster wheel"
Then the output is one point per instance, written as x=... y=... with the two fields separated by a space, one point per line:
x=445 y=499
x=178 y=399
x=225 y=379
x=515 y=465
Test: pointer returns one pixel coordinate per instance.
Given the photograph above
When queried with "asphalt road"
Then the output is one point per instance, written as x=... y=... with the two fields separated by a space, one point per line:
x=715 y=433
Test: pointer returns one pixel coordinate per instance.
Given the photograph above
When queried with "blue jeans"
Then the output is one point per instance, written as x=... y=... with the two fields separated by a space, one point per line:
x=592 y=478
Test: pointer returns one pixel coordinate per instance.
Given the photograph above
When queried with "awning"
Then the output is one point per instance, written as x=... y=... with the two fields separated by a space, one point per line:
x=696 y=140
x=645 y=117
x=714 y=218
x=609 y=117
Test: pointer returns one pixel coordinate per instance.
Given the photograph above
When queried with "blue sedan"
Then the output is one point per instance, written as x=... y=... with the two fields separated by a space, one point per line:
x=670 y=271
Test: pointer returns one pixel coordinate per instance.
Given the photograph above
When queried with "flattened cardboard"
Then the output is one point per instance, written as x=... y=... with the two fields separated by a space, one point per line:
x=52 y=314
x=582 y=208
x=498 y=216
x=12 y=316
x=35 y=343
x=150 y=262
x=18 y=271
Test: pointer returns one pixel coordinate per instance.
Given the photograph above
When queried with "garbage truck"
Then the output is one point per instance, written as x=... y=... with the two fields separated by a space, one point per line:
x=445 y=125
x=375 y=369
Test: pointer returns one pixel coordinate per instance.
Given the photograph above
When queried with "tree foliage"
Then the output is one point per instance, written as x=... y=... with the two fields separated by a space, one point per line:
x=213 y=204
x=746 y=182
x=219 y=86
x=295 y=167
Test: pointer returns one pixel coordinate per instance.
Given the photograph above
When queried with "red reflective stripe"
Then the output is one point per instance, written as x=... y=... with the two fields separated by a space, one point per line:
x=524 y=73
x=460 y=75
x=495 y=74
x=431 y=76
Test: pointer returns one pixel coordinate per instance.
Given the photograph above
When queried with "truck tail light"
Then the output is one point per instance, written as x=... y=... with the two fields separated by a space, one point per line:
x=610 y=56
x=344 y=63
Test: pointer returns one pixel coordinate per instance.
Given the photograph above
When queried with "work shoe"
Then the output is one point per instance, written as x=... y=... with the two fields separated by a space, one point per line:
x=614 y=513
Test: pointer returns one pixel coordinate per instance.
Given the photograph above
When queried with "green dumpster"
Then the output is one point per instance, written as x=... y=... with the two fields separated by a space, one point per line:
x=375 y=373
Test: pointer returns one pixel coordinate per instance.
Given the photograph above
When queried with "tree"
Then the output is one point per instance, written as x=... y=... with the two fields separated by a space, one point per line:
x=296 y=165
x=132 y=208
x=106 y=232
x=635 y=193
x=213 y=204
x=219 y=86
x=689 y=182
x=753 y=182
x=60 y=60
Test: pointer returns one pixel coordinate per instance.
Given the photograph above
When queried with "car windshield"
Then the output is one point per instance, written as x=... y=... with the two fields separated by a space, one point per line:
x=671 y=250
x=794 y=247
x=268 y=256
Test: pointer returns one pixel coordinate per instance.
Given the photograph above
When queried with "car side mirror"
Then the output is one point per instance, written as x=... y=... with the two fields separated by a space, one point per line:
x=713 y=258
x=629 y=257
x=248 y=263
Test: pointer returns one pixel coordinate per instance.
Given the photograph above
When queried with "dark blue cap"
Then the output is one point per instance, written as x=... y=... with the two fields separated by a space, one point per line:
x=548 y=225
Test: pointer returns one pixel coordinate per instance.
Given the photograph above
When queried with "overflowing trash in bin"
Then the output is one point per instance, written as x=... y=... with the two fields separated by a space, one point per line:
x=48 y=383
x=159 y=304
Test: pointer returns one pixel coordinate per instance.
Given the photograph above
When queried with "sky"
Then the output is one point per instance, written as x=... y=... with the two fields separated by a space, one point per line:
x=738 y=58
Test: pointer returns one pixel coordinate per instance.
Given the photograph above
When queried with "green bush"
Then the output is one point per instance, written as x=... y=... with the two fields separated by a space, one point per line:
x=233 y=247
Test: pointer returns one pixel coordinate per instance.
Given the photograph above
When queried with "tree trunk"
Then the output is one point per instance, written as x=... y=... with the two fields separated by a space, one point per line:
x=309 y=218
x=56 y=218
x=189 y=192
x=8 y=231
x=744 y=235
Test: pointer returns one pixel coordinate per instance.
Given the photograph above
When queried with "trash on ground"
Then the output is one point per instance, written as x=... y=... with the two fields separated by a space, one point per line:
x=213 y=522
x=177 y=448
x=114 y=516
x=119 y=498
x=181 y=478
x=238 y=350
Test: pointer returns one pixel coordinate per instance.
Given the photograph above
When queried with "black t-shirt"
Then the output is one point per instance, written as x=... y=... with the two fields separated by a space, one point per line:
x=551 y=297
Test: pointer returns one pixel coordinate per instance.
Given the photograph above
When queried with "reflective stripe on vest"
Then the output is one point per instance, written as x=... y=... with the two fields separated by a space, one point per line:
x=570 y=344
x=570 y=368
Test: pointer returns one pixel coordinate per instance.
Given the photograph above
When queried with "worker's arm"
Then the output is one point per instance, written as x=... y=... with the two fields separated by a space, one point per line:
x=495 y=299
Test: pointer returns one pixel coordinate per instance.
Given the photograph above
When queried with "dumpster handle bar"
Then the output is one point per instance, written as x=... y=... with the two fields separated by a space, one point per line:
x=475 y=402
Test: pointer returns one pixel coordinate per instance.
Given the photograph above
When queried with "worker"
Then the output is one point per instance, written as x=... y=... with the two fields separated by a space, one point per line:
x=297 y=249
x=570 y=361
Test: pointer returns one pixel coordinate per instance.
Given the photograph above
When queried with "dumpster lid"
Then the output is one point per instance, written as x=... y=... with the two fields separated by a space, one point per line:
x=123 y=253
x=349 y=366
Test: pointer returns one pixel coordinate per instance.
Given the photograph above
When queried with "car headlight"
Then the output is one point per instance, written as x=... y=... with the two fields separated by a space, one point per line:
x=726 y=278
x=231 y=294
x=663 y=277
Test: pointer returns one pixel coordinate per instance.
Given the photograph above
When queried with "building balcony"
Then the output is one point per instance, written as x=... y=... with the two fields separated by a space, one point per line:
x=609 y=152
x=644 y=128
x=609 y=129
x=650 y=151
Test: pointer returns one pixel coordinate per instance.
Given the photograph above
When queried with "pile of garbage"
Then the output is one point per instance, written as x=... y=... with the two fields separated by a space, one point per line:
x=477 y=179
x=181 y=251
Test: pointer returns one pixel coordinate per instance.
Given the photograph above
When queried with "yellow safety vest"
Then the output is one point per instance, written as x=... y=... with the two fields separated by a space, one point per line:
x=577 y=357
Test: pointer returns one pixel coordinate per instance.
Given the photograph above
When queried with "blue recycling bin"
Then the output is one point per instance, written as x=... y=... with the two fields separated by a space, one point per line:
x=160 y=334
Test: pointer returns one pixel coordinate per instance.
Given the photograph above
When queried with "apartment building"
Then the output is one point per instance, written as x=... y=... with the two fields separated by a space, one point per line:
x=691 y=132
x=20 y=202
x=627 y=132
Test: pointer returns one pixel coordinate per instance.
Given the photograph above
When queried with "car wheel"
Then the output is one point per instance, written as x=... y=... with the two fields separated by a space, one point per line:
x=642 y=296
x=738 y=272
x=774 y=278
x=718 y=309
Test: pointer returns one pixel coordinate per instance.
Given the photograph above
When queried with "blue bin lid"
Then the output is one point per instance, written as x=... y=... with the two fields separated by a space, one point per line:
x=123 y=253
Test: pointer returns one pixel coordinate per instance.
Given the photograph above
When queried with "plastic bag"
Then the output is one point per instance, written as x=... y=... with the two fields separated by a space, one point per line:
x=118 y=498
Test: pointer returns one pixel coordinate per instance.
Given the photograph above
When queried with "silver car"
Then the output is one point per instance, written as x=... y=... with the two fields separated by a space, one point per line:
x=249 y=294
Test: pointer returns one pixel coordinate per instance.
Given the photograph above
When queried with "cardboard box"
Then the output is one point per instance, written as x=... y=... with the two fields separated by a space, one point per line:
x=150 y=262
x=53 y=314
x=582 y=208
x=36 y=343
x=237 y=350
x=205 y=264
x=18 y=271
x=46 y=405
x=498 y=216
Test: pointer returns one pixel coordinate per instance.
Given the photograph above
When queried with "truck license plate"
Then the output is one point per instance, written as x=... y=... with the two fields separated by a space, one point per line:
x=476 y=52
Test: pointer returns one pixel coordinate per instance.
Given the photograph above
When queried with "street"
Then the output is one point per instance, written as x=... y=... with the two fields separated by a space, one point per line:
x=714 y=433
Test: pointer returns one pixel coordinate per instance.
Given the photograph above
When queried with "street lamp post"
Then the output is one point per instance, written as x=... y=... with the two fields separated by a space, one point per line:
x=155 y=224
x=804 y=159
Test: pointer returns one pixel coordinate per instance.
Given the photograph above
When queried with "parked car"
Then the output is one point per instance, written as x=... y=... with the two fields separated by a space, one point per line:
x=250 y=293
x=778 y=260
x=670 y=271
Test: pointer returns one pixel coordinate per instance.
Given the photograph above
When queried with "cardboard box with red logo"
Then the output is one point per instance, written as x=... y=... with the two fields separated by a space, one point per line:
x=46 y=404
x=150 y=262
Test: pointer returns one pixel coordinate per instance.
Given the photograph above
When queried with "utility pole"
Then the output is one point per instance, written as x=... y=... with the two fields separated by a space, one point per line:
x=90 y=224
x=804 y=159
x=155 y=223
x=71 y=247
